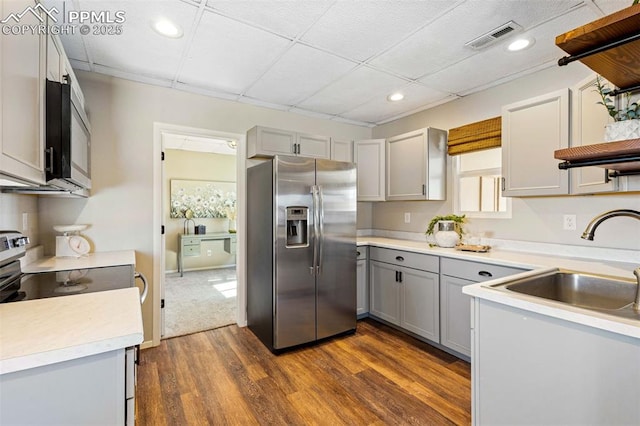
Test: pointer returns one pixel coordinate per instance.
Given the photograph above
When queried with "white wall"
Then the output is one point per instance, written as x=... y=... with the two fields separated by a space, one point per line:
x=534 y=219
x=122 y=113
x=12 y=209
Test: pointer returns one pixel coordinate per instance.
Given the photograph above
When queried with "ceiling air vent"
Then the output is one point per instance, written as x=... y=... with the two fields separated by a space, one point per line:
x=493 y=35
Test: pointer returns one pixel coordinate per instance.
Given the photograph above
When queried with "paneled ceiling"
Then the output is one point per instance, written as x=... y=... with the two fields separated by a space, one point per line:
x=337 y=60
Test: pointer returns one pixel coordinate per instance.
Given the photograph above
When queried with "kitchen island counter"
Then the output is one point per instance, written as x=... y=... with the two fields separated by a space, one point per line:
x=41 y=332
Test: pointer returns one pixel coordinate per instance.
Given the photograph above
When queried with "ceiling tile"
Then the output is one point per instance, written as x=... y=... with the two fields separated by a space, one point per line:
x=139 y=49
x=352 y=90
x=361 y=29
x=378 y=109
x=437 y=45
x=227 y=55
x=497 y=62
x=611 y=6
x=300 y=72
x=286 y=17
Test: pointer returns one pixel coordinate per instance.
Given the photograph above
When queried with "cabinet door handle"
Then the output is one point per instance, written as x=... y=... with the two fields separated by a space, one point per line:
x=485 y=274
x=504 y=183
x=358 y=253
x=424 y=189
x=400 y=273
x=400 y=258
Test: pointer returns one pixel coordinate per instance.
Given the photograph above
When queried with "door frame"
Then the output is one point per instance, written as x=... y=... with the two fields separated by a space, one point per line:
x=159 y=239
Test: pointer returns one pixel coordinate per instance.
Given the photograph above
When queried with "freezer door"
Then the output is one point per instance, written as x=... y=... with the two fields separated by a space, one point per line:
x=336 y=275
x=295 y=290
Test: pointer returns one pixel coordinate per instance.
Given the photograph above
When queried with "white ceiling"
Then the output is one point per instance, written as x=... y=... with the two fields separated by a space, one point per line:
x=333 y=59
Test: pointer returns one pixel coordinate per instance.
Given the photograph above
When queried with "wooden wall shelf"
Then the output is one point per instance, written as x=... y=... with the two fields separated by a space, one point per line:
x=620 y=65
x=622 y=156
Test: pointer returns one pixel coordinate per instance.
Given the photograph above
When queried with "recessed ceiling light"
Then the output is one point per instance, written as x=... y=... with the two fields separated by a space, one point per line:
x=395 y=97
x=167 y=28
x=520 y=44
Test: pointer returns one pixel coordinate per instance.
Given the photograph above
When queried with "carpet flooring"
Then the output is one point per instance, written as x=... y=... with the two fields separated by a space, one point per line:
x=198 y=301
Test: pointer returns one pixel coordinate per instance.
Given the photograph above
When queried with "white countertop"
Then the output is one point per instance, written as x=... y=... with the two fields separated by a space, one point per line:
x=40 y=332
x=536 y=263
x=91 y=260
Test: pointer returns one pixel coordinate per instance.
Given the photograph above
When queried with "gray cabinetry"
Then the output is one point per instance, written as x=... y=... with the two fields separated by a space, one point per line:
x=404 y=290
x=98 y=389
x=416 y=165
x=22 y=78
x=455 y=331
x=369 y=156
x=588 y=122
x=267 y=142
x=534 y=369
x=531 y=131
x=362 y=281
x=342 y=150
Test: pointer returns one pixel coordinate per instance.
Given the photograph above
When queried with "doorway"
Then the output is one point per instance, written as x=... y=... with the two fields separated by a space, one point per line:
x=200 y=260
x=210 y=287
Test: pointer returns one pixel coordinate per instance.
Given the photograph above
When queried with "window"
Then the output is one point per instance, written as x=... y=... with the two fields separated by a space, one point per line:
x=477 y=190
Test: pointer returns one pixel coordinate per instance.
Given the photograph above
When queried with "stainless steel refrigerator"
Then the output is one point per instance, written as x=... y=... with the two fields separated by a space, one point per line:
x=301 y=250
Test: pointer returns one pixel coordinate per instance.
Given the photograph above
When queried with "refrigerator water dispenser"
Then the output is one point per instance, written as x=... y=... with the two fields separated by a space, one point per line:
x=297 y=225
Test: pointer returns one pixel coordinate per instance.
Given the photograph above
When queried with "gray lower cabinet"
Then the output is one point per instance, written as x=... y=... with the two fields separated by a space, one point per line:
x=455 y=331
x=533 y=369
x=362 y=282
x=97 y=389
x=455 y=317
x=404 y=295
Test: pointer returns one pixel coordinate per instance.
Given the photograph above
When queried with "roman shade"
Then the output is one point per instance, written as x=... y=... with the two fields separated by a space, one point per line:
x=475 y=136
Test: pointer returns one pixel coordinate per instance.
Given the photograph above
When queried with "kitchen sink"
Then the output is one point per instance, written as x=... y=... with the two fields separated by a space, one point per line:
x=577 y=289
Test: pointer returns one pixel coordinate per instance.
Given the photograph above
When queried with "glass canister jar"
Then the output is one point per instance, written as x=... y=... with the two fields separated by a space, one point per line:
x=447 y=235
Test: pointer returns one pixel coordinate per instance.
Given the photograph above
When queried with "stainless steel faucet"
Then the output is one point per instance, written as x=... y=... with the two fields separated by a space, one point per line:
x=590 y=230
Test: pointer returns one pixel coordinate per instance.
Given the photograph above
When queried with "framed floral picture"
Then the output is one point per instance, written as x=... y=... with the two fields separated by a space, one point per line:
x=202 y=199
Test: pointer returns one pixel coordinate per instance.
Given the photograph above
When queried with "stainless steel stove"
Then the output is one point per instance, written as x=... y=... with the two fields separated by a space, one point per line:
x=17 y=286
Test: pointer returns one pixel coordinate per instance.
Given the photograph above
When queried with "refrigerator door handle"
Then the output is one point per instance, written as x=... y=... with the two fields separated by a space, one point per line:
x=321 y=226
x=316 y=231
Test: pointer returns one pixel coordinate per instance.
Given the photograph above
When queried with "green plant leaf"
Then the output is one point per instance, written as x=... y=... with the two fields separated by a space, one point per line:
x=459 y=220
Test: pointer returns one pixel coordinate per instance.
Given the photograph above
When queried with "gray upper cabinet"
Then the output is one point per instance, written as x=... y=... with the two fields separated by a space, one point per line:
x=267 y=142
x=315 y=146
x=531 y=131
x=369 y=156
x=416 y=165
x=588 y=122
x=342 y=150
x=22 y=77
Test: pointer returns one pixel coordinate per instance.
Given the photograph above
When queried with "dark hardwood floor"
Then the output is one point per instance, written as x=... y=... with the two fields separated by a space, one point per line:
x=378 y=376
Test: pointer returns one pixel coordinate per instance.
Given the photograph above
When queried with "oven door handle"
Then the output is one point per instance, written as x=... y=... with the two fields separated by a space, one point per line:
x=145 y=288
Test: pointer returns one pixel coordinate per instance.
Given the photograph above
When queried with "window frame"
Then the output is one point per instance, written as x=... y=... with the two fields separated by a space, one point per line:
x=458 y=174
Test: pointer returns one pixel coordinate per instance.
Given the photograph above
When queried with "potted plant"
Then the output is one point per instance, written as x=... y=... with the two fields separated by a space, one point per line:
x=626 y=115
x=449 y=229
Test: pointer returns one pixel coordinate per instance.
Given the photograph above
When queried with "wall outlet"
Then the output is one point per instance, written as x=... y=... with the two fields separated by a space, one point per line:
x=209 y=253
x=569 y=222
x=407 y=218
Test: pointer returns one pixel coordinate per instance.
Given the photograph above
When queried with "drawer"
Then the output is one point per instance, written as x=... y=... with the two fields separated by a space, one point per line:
x=424 y=262
x=191 y=250
x=230 y=245
x=190 y=241
x=362 y=252
x=475 y=271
